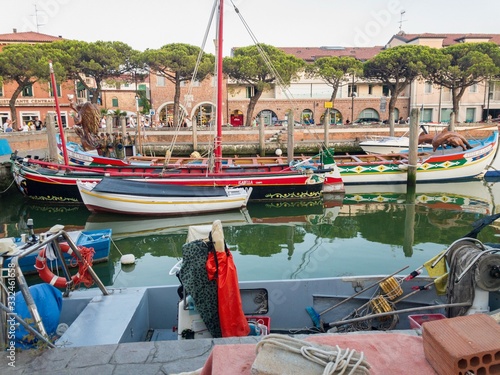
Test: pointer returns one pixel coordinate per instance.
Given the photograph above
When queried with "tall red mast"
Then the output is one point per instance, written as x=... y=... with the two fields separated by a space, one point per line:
x=218 y=138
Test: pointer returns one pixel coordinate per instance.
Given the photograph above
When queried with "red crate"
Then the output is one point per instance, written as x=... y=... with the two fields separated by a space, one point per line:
x=417 y=320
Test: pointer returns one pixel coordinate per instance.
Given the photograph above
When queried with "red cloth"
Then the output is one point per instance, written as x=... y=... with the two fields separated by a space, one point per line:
x=231 y=317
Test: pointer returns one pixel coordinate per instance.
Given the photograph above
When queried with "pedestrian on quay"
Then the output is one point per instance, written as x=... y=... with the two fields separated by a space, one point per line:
x=6 y=124
x=38 y=124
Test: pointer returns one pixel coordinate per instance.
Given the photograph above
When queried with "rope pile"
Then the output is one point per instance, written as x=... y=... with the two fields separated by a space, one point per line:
x=339 y=361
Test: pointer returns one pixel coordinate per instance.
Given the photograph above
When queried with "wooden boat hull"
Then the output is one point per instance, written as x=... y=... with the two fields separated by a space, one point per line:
x=77 y=156
x=156 y=199
x=59 y=186
x=444 y=165
x=390 y=145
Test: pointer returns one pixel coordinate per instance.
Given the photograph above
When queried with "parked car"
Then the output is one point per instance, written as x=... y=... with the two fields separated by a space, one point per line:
x=367 y=120
x=285 y=123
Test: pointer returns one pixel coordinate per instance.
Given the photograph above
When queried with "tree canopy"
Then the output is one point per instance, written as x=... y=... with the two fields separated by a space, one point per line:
x=466 y=64
x=248 y=66
x=334 y=71
x=99 y=60
x=26 y=64
x=397 y=67
x=177 y=62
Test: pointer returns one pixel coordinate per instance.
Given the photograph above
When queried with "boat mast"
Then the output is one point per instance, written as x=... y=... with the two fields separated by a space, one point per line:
x=218 y=138
x=58 y=111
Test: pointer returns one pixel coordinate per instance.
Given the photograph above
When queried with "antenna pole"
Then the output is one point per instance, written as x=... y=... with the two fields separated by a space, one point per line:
x=36 y=20
x=401 y=20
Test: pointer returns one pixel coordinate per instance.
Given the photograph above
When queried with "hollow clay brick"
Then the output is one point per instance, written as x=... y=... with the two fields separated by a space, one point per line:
x=462 y=344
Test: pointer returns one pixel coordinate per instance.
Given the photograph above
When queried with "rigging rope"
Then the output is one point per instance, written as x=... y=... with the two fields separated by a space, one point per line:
x=187 y=98
x=271 y=67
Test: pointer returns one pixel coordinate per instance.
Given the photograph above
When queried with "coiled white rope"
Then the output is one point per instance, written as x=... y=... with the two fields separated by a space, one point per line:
x=337 y=361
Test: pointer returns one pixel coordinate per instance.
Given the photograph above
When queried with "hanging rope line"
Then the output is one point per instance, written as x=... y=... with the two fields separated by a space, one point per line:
x=270 y=66
x=181 y=115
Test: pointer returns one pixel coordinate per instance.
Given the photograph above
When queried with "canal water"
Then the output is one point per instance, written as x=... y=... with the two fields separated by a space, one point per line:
x=369 y=230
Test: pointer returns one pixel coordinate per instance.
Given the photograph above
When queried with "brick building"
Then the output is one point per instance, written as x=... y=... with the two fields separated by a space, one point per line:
x=37 y=100
x=308 y=98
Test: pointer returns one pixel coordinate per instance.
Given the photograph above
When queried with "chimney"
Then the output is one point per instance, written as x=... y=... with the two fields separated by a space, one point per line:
x=14 y=30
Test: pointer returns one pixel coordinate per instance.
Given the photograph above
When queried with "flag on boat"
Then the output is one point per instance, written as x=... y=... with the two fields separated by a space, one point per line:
x=440 y=284
x=439 y=269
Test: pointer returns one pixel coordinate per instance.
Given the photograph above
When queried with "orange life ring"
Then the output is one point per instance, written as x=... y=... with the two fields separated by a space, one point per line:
x=47 y=275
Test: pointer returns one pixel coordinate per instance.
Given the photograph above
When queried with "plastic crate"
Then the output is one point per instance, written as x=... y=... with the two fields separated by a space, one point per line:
x=417 y=320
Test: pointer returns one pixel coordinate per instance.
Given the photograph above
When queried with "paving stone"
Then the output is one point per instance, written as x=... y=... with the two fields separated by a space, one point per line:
x=142 y=352
x=92 y=355
x=171 y=351
x=134 y=369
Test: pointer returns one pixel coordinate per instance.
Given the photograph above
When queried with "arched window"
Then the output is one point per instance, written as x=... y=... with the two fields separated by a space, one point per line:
x=335 y=117
x=307 y=117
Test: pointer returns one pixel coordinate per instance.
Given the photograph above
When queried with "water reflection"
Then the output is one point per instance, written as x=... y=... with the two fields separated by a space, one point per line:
x=372 y=229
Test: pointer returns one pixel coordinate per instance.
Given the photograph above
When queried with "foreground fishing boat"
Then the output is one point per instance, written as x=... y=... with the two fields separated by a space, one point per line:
x=377 y=302
x=148 y=198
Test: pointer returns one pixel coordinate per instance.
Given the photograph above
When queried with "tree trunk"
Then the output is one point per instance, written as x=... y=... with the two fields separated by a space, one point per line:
x=332 y=100
x=251 y=106
x=456 y=101
x=456 y=95
x=12 y=106
x=177 y=98
x=392 y=105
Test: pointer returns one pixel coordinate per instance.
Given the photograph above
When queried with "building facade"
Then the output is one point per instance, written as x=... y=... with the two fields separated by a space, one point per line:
x=479 y=102
x=307 y=98
x=38 y=99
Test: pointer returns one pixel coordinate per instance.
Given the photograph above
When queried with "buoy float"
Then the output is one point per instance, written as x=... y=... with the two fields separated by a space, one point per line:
x=127 y=259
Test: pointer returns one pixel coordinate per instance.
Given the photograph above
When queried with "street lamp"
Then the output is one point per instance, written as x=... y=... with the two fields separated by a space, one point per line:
x=353 y=95
x=490 y=94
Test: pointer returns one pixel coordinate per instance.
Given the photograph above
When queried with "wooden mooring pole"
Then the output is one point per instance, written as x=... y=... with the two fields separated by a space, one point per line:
x=413 y=150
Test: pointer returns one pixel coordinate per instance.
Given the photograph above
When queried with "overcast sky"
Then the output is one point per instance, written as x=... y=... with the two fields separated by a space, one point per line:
x=282 y=23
